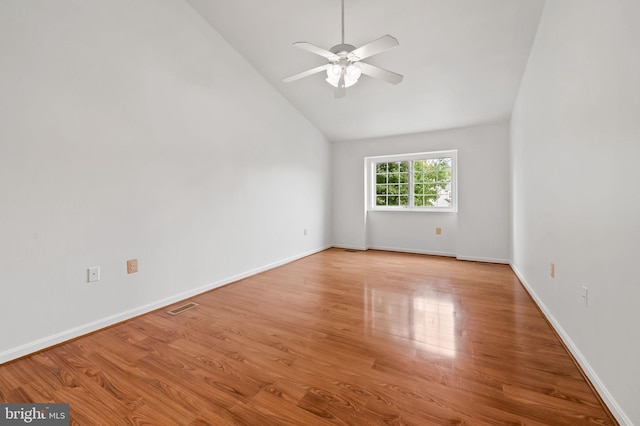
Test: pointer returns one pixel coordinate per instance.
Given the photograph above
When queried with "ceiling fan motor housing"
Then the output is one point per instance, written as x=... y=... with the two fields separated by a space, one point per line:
x=339 y=48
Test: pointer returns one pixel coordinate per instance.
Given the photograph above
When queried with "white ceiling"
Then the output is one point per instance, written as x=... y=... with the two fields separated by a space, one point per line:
x=462 y=60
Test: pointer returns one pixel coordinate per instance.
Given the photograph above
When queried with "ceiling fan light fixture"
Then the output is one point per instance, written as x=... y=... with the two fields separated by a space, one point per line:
x=333 y=72
x=351 y=74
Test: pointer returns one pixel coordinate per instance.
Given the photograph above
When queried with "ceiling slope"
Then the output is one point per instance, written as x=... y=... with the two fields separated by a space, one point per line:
x=462 y=60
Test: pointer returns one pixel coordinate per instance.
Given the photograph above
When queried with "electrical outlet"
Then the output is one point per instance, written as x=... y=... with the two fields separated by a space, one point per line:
x=93 y=274
x=585 y=296
x=438 y=231
x=132 y=266
x=305 y=232
x=552 y=270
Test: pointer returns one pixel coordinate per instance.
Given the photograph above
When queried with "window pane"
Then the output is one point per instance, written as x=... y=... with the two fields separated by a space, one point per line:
x=394 y=178
x=404 y=166
x=430 y=189
x=381 y=189
x=381 y=201
x=381 y=168
x=404 y=200
x=404 y=189
x=431 y=178
x=432 y=170
x=444 y=176
x=381 y=178
x=404 y=177
x=443 y=201
x=393 y=200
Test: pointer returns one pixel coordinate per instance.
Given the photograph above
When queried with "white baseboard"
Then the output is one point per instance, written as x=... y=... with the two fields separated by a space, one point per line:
x=46 y=342
x=348 y=247
x=483 y=259
x=428 y=252
x=409 y=250
x=604 y=393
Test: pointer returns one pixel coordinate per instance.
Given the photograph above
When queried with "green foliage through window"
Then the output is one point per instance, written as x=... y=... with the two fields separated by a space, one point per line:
x=416 y=183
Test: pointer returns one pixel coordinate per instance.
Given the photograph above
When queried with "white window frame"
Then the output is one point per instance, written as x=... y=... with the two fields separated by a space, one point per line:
x=370 y=180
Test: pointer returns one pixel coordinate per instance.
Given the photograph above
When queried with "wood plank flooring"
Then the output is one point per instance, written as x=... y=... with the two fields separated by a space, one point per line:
x=349 y=338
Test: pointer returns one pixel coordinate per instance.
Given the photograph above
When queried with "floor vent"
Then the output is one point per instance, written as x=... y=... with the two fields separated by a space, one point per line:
x=181 y=309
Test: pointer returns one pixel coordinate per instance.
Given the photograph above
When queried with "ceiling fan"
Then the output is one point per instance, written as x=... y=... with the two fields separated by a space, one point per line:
x=345 y=66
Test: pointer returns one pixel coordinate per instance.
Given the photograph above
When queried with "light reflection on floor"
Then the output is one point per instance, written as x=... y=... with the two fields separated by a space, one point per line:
x=427 y=321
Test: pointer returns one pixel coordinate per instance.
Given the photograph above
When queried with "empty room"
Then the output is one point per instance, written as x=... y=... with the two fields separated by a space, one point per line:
x=356 y=212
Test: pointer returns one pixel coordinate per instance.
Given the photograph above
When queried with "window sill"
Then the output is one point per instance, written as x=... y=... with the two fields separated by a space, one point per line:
x=413 y=209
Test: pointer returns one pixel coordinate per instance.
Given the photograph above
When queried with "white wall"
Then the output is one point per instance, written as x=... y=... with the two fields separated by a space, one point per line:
x=133 y=130
x=575 y=152
x=481 y=228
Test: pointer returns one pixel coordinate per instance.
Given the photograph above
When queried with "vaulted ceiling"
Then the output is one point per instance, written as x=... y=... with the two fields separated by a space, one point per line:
x=462 y=60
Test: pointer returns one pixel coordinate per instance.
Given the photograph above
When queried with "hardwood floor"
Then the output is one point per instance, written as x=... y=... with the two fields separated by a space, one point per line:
x=357 y=338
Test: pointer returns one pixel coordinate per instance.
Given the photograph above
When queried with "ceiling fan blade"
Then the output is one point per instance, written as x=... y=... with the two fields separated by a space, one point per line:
x=373 y=48
x=341 y=91
x=317 y=50
x=382 y=74
x=306 y=73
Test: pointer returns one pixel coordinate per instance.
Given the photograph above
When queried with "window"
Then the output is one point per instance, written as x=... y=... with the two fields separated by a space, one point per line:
x=421 y=182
